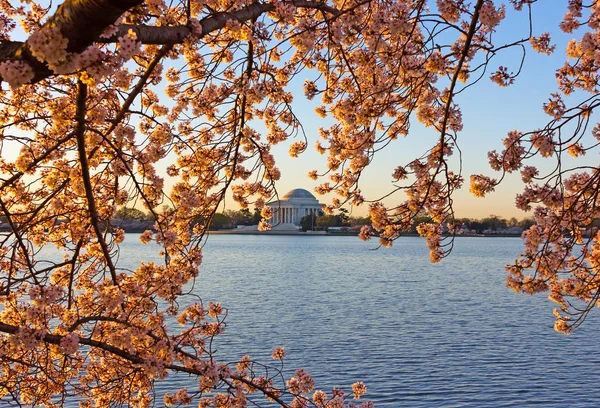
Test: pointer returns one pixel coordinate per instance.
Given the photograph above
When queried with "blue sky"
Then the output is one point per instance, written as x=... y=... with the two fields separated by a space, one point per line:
x=489 y=112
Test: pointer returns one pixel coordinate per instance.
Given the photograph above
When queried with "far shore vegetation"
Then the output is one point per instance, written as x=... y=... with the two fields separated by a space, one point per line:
x=133 y=219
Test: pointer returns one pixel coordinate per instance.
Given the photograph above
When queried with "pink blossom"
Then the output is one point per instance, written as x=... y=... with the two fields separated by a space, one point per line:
x=214 y=309
x=128 y=46
x=69 y=344
x=319 y=398
x=359 y=389
x=490 y=15
x=481 y=185
x=16 y=73
x=263 y=225
x=278 y=353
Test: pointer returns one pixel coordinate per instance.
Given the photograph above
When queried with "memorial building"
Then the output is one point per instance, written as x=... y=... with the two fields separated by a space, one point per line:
x=296 y=204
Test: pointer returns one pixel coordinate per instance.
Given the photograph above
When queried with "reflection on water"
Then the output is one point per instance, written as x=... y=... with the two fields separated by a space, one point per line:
x=419 y=335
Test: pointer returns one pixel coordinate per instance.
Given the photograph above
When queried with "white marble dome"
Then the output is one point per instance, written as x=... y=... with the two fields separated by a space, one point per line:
x=298 y=193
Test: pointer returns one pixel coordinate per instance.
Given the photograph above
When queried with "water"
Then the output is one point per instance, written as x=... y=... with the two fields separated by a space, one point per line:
x=418 y=334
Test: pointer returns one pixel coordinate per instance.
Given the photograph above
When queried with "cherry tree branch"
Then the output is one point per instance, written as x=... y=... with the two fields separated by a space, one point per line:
x=85 y=175
x=136 y=359
x=82 y=23
x=55 y=339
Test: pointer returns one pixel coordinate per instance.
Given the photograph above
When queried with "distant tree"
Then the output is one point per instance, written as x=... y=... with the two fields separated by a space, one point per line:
x=344 y=218
x=493 y=222
x=256 y=217
x=464 y=223
x=479 y=226
x=335 y=220
x=245 y=216
x=308 y=222
x=239 y=217
x=526 y=223
x=220 y=221
x=129 y=213
x=354 y=221
x=326 y=221
x=234 y=216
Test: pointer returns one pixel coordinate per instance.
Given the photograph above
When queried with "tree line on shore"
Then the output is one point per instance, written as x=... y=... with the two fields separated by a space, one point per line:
x=229 y=219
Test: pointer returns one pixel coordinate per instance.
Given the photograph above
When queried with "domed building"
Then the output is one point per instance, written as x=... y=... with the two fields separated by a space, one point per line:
x=296 y=204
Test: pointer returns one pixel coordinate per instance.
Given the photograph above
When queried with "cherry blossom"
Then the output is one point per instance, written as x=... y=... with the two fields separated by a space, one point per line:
x=171 y=106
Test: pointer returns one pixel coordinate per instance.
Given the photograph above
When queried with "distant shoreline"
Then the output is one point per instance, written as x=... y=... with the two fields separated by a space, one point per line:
x=271 y=232
x=343 y=234
x=141 y=226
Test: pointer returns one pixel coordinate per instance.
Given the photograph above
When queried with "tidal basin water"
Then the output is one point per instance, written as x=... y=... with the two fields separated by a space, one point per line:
x=417 y=334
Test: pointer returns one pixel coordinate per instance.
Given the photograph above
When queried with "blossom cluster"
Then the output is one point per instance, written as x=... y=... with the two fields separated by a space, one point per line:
x=50 y=46
x=16 y=73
